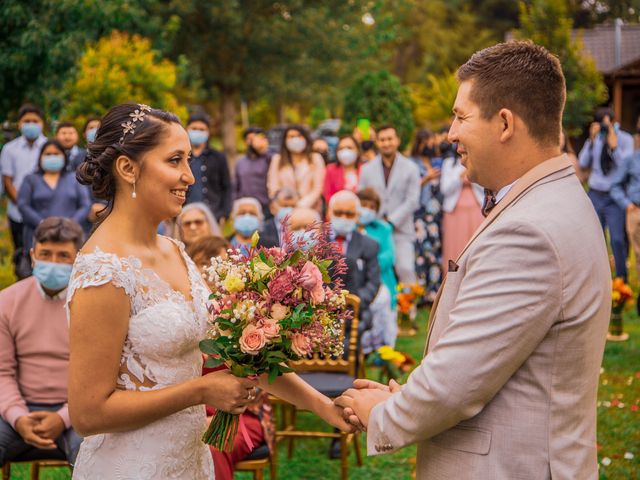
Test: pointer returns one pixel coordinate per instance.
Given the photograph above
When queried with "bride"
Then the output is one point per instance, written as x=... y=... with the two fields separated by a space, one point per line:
x=136 y=306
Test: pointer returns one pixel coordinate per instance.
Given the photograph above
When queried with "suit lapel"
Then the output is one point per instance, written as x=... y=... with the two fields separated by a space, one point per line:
x=394 y=175
x=533 y=176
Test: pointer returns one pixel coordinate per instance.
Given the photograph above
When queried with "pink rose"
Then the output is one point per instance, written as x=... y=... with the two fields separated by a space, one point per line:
x=311 y=280
x=279 y=311
x=252 y=340
x=300 y=345
x=271 y=328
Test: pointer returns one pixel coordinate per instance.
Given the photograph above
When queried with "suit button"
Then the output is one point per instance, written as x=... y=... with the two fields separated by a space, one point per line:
x=203 y=168
x=204 y=190
x=204 y=179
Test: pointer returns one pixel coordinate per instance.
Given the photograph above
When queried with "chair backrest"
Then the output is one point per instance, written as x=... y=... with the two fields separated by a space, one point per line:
x=347 y=365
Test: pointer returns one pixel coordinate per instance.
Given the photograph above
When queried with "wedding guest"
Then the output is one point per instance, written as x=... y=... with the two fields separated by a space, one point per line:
x=251 y=169
x=18 y=159
x=367 y=147
x=462 y=206
x=625 y=190
x=258 y=418
x=566 y=147
x=67 y=136
x=210 y=169
x=397 y=181
x=34 y=348
x=51 y=191
x=384 y=305
x=90 y=130
x=361 y=252
x=195 y=222
x=345 y=174
x=247 y=219
x=297 y=168
x=204 y=249
x=428 y=217
x=282 y=205
x=603 y=152
x=321 y=147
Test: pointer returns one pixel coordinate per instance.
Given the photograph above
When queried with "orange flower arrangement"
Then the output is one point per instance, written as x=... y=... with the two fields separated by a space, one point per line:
x=408 y=296
x=621 y=293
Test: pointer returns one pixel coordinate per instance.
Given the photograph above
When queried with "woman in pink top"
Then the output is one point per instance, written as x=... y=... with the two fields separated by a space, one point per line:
x=298 y=168
x=345 y=174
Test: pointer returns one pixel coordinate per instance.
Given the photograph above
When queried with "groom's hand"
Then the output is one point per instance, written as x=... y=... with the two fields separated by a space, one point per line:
x=363 y=383
x=361 y=402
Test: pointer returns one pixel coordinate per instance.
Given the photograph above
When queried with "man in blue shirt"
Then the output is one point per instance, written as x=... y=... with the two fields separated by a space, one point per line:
x=18 y=159
x=603 y=153
x=625 y=190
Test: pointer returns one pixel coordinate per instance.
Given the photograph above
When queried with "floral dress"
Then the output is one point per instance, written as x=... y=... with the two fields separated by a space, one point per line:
x=428 y=246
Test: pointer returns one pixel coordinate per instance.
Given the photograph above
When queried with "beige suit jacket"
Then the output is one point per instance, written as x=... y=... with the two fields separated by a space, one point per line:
x=507 y=389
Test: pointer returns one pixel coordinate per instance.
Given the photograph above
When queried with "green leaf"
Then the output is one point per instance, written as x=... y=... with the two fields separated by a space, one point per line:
x=213 y=362
x=274 y=372
x=210 y=347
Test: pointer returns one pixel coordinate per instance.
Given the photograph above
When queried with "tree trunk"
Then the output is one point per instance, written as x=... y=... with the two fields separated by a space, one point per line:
x=228 y=125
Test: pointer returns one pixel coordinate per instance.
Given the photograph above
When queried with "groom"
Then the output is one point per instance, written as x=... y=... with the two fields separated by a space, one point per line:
x=508 y=386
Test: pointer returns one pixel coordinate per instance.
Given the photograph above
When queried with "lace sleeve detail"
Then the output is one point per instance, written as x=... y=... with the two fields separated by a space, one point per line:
x=96 y=269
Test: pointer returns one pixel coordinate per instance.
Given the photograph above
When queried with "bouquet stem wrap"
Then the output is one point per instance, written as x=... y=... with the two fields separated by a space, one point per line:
x=222 y=431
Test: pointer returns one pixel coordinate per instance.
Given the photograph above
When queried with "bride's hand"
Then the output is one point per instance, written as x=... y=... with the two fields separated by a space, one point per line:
x=226 y=392
x=332 y=414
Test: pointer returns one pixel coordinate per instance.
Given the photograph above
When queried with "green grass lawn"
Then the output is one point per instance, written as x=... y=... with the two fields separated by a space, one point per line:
x=618 y=415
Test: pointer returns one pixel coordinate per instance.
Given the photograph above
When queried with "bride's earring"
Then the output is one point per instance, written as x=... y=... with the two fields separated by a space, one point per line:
x=133 y=195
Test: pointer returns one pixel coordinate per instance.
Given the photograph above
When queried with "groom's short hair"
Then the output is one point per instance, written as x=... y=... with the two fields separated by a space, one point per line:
x=522 y=77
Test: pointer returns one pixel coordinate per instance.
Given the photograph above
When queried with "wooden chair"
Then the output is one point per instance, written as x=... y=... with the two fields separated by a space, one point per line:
x=330 y=376
x=257 y=461
x=39 y=459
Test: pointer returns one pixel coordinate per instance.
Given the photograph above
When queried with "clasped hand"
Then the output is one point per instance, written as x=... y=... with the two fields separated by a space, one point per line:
x=40 y=429
x=358 y=402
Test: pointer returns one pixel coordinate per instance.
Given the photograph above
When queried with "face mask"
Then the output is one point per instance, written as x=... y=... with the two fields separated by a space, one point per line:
x=52 y=163
x=283 y=212
x=31 y=131
x=342 y=226
x=367 y=145
x=296 y=144
x=245 y=225
x=303 y=239
x=367 y=216
x=198 y=137
x=347 y=157
x=52 y=276
x=91 y=135
x=428 y=152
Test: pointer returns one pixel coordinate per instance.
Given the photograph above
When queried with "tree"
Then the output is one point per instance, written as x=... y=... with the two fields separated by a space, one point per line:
x=433 y=102
x=546 y=23
x=121 y=68
x=42 y=39
x=258 y=48
x=379 y=97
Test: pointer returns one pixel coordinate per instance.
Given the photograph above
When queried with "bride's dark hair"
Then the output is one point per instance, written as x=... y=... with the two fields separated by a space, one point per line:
x=111 y=142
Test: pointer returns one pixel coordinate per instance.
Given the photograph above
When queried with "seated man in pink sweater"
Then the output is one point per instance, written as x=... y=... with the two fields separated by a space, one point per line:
x=34 y=348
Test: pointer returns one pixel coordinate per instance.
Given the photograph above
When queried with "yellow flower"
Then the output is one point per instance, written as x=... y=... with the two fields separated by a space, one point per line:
x=255 y=238
x=233 y=284
x=261 y=270
x=615 y=296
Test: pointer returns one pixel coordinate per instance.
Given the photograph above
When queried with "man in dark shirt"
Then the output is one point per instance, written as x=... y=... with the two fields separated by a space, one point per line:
x=212 y=180
x=251 y=170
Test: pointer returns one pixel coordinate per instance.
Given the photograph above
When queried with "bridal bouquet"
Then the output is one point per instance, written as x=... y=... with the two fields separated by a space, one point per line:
x=271 y=306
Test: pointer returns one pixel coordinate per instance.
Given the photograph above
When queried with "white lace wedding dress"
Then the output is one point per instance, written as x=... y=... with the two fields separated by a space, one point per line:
x=161 y=349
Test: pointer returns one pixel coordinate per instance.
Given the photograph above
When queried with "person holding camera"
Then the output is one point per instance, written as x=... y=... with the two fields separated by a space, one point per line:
x=603 y=153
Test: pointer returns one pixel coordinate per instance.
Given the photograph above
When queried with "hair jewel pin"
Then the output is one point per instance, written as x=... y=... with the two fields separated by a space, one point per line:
x=136 y=116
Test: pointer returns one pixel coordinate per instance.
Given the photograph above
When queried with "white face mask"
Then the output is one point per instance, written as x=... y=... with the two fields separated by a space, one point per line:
x=296 y=144
x=347 y=157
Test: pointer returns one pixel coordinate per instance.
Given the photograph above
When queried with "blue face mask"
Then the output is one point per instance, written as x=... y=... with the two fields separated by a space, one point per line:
x=303 y=239
x=31 y=131
x=367 y=216
x=52 y=163
x=342 y=226
x=198 y=137
x=91 y=135
x=52 y=276
x=283 y=212
x=245 y=225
